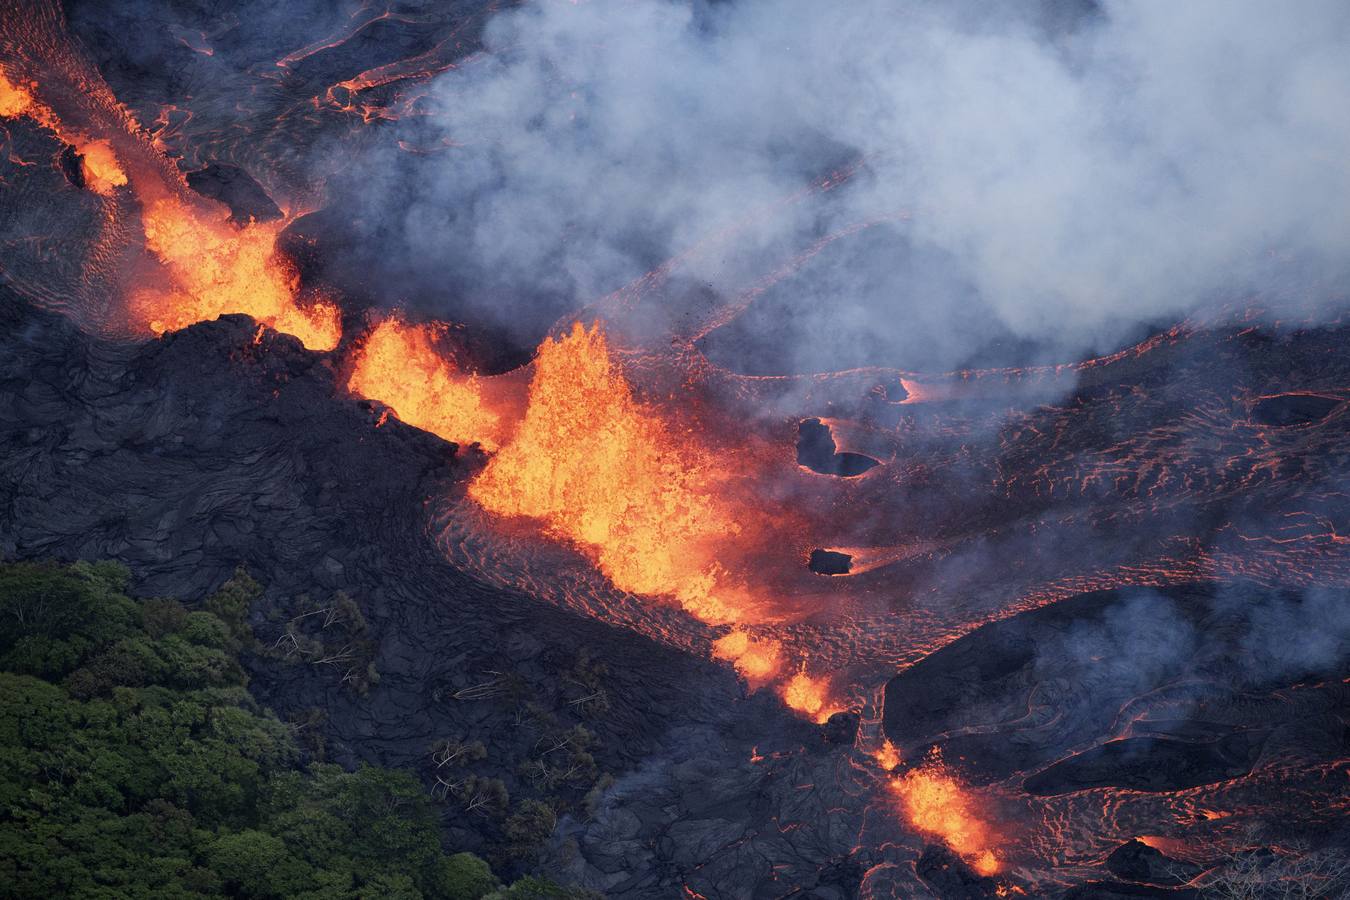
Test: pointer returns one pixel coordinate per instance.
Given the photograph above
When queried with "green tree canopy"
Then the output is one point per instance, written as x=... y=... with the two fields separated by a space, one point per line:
x=134 y=763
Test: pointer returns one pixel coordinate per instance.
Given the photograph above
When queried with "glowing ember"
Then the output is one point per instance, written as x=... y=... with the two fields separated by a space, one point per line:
x=607 y=473
x=756 y=660
x=398 y=364
x=218 y=269
x=886 y=755
x=809 y=696
x=935 y=803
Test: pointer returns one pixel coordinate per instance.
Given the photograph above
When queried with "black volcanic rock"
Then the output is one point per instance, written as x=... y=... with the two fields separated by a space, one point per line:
x=237 y=189
x=71 y=165
x=829 y=562
x=1151 y=764
x=1053 y=680
x=186 y=456
x=1136 y=861
x=950 y=878
x=816 y=451
x=1122 y=890
x=840 y=877
x=841 y=728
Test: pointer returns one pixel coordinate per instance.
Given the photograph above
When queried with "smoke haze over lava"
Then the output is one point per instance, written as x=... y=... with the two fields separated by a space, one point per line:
x=1034 y=184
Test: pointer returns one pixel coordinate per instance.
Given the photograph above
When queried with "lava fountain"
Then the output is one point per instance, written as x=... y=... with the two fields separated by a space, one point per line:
x=398 y=364
x=673 y=478
x=935 y=803
x=215 y=268
x=98 y=163
x=612 y=476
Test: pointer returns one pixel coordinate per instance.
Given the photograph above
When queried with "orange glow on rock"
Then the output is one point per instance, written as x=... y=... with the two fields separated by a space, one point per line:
x=398 y=364
x=217 y=269
x=757 y=661
x=935 y=803
x=607 y=473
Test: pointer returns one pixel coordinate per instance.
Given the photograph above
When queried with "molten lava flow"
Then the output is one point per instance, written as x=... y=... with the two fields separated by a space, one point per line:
x=398 y=364
x=213 y=267
x=607 y=473
x=98 y=162
x=809 y=696
x=935 y=803
x=217 y=269
x=757 y=661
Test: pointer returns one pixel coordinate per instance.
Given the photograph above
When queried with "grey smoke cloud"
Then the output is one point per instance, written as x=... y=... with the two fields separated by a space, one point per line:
x=1298 y=636
x=1062 y=178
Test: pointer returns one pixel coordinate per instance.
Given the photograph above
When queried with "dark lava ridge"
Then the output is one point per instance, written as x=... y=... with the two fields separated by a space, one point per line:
x=1136 y=861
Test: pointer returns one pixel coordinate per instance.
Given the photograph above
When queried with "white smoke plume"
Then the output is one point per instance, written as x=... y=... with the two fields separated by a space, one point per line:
x=1054 y=176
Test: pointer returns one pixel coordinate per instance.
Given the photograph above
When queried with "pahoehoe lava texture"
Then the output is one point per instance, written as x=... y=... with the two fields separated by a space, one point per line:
x=189 y=455
x=1137 y=861
x=1152 y=764
x=1202 y=453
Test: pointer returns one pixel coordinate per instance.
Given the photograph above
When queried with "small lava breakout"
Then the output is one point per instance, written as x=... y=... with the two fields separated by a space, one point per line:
x=674 y=448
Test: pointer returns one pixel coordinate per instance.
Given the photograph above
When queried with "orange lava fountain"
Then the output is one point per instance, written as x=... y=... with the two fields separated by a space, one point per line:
x=398 y=365
x=757 y=661
x=809 y=696
x=14 y=100
x=217 y=269
x=935 y=803
x=610 y=475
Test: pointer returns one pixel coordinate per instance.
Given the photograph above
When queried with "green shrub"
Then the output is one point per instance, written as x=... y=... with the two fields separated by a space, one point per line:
x=462 y=877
